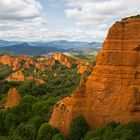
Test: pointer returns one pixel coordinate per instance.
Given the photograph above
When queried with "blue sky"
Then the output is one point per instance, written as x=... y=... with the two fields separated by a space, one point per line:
x=73 y=20
x=57 y=19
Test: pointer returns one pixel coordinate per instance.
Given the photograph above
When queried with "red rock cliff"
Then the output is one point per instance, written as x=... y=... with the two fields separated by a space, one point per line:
x=112 y=91
x=6 y=60
x=13 y=98
x=62 y=59
x=16 y=76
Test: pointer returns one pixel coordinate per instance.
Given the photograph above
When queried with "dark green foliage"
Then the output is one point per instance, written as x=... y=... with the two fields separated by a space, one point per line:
x=29 y=99
x=2 y=123
x=59 y=85
x=30 y=87
x=11 y=121
x=58 y=78
x=78 y=128
x=58 y=136
x=5 y=70
x=46 y=132
x=15 y=137
x=115 y=131
x=36 y=121
x=29 y=71
x=136 y=16
x=5 y=86
x=62 y=83
x=26 y=131
x=89 y=135
x=24 y=121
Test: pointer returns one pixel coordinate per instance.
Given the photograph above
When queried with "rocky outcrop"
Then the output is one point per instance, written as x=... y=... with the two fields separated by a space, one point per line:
x=82 y=66
x=26 y=65
x=112 y=91
x=16 y=76
x=6 y=60
x=62 y=59
x=38 y=81
x=51 y=61
x=13 y=98
x=16 y=64
x=39 y=66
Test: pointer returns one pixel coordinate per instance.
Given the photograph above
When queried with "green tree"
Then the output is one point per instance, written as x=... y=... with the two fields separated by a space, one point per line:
x=58 y=137
x=46 y=132
x=29 y=99
x=78 y=128
x=11 y=121
x=26 y=131
x=15 y=137
x=89 y=135
x=2 y=122
x=36 y=121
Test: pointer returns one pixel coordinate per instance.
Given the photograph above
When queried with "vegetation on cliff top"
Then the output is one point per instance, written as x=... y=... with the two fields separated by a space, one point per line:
x=124 y=19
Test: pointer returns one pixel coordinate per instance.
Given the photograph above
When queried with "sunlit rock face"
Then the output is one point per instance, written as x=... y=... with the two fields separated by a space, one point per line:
x=6 y=60
x=16 y=76
x=82 y=65
x=13 y=98
x=112 y=91
x=62 y=59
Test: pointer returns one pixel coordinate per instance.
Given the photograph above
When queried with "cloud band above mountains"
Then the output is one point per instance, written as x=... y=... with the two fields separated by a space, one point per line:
x=28 y=20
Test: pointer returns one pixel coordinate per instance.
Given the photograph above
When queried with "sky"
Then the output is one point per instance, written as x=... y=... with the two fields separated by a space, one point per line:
x=72 y=20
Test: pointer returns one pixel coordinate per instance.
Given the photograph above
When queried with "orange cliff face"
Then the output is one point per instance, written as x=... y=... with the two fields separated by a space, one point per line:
x=82 y=65
x=15 y=62
x=112 y=91
x=16 y=76
x=62 y=59
x=13 y=98
x=6 y=60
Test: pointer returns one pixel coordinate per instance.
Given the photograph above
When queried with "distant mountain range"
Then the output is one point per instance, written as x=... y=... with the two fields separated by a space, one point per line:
x=45 y=48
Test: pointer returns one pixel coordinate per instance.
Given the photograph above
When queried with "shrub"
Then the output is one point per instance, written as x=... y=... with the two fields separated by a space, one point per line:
x=46 y=132
x=15 y=137
x=26 y=131
x=78 y=128
x=89 y=135
x=58 y=137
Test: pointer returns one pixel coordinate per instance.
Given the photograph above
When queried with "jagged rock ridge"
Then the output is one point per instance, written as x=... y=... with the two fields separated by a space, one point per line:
x=13 y=98
x=112 y=91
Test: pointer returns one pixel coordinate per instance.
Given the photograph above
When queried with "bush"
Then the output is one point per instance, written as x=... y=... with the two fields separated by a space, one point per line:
x=115 y=131
x=29 y=99
x=78 y=128
x=46 y=132
x=36 y=121
x=15 y=137
x=89 y=135
x=5 y=70
x=58 y=137
x=26 y=131
x=11 y=121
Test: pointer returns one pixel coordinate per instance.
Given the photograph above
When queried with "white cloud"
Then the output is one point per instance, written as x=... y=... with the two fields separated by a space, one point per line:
x=100 y=11
x=98 y=15
x=26 y=19
x=19 y=9
x=21 y=19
